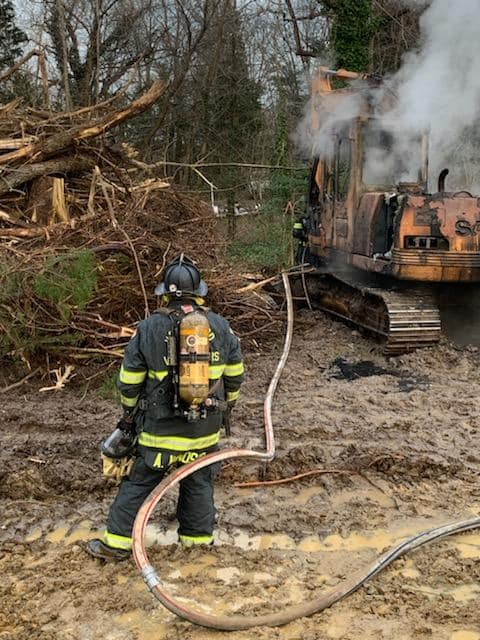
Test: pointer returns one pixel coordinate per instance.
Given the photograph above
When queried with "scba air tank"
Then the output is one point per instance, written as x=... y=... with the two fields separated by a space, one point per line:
x=194 y=358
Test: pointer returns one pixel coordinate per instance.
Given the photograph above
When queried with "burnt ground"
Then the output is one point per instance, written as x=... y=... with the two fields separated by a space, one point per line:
x=404 y=432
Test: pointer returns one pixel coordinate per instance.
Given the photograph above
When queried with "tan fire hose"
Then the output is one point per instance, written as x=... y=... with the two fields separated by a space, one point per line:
x=236 y=622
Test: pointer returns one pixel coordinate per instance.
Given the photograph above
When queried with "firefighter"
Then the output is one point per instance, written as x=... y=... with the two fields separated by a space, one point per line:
x=166 y=431
x=300 y=233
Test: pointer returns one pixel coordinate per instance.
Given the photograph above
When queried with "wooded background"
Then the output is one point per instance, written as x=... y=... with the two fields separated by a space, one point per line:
x=237 y=73
x=118 y=118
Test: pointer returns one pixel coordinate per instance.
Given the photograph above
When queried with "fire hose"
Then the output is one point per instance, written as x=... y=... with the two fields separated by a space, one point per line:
x=325 y=600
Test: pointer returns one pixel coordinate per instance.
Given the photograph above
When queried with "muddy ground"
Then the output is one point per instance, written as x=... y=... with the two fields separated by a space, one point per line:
x=406 y=438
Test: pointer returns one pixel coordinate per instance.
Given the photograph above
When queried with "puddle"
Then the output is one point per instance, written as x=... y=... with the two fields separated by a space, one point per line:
x=146 y=626
x=36 y=534
x=68 y=534
x=200 y=567
x=154 y=624
x=412 y=574
x=468 y=544
x=464 y=593
x=408 y=570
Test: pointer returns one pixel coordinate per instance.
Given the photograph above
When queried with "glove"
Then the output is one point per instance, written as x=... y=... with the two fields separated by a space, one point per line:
x=116 y=468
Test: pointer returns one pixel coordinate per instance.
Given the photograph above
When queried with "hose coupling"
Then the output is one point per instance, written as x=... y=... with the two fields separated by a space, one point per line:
x=150 y=577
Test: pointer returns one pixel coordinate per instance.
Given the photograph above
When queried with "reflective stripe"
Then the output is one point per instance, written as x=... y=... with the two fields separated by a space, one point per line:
x=128 y=402
x=131 y=377
x=117 y=542
x=215 y=371
x=189 y=541
x=234 y=369
x=158 y=375
x=232 y=395
x=298 y=225
x=177 y=443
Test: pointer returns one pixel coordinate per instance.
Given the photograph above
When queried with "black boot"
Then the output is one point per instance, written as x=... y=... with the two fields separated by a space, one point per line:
x=99 y=549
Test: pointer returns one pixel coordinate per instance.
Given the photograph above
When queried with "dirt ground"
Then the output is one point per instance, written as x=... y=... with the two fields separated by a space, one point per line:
x=406 y=438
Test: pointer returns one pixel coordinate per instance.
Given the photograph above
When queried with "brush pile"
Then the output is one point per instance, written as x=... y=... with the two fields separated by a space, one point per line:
x=84 y=238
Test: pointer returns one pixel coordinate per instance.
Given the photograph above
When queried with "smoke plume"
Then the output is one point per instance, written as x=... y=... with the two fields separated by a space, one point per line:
x=439 y=85
x=438 y=89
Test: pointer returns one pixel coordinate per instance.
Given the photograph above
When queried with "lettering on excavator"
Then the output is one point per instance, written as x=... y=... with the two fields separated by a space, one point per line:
x=465 y=228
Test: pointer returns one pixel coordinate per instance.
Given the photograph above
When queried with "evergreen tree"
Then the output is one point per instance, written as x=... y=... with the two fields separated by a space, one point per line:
x=11 y=37
x=353 y=29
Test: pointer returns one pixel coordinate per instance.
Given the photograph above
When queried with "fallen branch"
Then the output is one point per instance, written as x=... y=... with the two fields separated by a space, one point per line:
x=59 y=142
x=62 y=378
x=87 y=352
x=256 y=285
x=20 y=382
x=15 y=143
x=37 y=460
x=93 y=107
x=60 y=166
x=6 y=109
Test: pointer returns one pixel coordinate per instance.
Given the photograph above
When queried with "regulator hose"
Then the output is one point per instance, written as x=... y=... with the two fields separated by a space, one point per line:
x=236 y=622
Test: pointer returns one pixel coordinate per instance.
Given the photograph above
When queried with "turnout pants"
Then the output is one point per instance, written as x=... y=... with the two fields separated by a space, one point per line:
x=195 y=507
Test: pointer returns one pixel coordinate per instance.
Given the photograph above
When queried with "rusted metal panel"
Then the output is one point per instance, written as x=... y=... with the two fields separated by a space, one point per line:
x=364 y=222
x=436 y=266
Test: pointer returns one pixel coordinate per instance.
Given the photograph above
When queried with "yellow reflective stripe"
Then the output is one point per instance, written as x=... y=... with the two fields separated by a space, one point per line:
x=215 y=371
x=298 y=225
x=189 y=541
x=158 y=375
x=234 y=369
x=117 y=542
x=128 y=402
x=131 y=377
x=232 y=395
x=177 y=443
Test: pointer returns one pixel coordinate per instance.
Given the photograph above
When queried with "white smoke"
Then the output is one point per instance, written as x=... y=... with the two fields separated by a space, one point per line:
x=439 y=85
x=438 y=89
x=321 y=141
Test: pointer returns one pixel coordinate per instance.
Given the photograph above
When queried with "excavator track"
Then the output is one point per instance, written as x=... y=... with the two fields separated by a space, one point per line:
x=403 y=321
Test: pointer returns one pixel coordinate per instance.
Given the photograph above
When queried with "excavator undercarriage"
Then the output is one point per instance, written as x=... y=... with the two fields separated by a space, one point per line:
x=403 y=321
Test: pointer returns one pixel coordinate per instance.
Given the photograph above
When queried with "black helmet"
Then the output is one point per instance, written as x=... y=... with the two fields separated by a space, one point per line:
x=182 y=276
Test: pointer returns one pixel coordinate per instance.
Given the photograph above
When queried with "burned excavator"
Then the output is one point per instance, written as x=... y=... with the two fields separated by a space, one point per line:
x=389 y=256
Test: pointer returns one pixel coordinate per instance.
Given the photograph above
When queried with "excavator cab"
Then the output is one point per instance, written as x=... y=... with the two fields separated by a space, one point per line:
x=382 y=240
x=368 y=202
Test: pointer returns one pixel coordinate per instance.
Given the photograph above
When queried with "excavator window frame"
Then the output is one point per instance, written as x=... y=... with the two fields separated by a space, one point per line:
x=422 y=175
x=342 y=185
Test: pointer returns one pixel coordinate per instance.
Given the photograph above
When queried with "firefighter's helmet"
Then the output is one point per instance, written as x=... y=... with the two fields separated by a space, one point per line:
x=182 y=276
